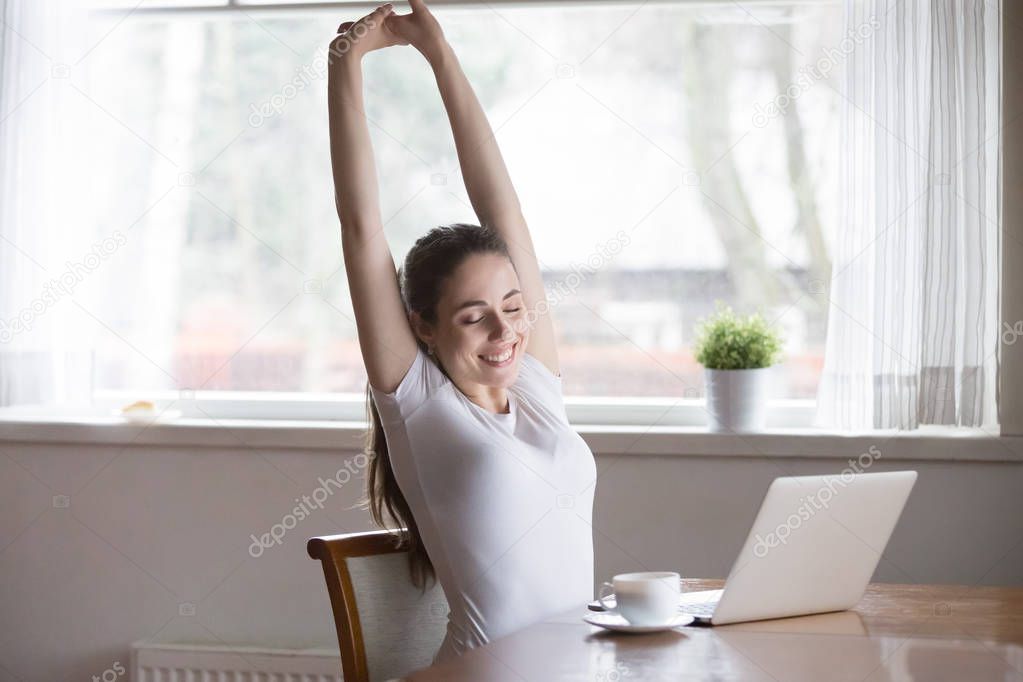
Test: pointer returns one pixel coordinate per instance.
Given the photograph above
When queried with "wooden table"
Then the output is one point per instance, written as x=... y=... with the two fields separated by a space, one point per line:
x=896 y=632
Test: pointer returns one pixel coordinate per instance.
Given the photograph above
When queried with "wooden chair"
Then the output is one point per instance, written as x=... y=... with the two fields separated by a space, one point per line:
x=385 y=627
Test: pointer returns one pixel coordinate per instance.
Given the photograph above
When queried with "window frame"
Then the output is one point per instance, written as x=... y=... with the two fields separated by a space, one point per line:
x=631 y=412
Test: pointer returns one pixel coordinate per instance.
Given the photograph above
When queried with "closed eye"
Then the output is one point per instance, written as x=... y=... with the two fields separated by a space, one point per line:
x=513 y=310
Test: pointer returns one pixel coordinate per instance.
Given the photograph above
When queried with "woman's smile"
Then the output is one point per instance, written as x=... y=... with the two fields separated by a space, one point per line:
x=502 y=359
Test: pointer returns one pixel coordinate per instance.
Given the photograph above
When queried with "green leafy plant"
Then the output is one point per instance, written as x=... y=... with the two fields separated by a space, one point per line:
x=727 y=341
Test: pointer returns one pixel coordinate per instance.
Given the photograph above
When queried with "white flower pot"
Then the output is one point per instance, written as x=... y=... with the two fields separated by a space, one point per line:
x=737 y=398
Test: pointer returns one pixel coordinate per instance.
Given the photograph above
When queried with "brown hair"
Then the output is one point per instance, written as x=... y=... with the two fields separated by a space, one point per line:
x=428 y=264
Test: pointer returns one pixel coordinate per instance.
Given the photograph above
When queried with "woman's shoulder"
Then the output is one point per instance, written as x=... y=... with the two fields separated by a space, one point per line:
x=536 y=366
x=537 y=382
x=422 y=380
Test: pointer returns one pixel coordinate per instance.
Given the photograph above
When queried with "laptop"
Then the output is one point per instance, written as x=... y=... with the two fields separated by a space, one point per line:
x=813 y=548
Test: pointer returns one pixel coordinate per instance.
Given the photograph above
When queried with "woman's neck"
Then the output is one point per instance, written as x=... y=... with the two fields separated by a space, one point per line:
x=491 y=399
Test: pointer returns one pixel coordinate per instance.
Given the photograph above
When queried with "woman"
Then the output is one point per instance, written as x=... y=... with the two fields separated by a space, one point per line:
x=470 y=445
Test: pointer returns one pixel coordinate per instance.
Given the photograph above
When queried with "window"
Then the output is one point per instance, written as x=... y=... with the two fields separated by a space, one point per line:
x=644 y=142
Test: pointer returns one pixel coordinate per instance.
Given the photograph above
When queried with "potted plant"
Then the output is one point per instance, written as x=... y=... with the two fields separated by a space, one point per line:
x=737 y=354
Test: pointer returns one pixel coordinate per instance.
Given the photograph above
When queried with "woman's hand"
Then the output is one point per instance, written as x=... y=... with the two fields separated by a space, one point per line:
x=419 y=29
x=371 y=32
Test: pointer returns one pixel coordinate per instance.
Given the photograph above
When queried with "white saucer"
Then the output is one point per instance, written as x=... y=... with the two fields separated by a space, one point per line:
x=613 y=621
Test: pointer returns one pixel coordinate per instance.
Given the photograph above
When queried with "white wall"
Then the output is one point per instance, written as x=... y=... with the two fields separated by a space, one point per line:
x=150 y=528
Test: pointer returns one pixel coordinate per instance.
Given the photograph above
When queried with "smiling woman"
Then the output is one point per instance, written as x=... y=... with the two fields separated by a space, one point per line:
x=470 y=445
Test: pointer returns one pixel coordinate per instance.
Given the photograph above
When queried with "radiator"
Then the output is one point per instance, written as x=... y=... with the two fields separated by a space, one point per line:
x=196 y=663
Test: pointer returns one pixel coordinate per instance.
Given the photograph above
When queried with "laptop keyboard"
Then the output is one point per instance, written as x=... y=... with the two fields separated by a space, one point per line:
x=699 y=609
x=700 y=603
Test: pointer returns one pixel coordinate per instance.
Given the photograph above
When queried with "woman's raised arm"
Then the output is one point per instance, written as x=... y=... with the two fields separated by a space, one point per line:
x=385 y=337
x=351 y=153
x=486 y=178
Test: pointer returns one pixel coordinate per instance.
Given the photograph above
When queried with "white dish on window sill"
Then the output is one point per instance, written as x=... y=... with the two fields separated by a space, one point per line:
x=147 y=417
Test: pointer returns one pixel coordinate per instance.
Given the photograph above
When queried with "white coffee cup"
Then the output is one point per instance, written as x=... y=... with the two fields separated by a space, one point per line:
x=650 y=598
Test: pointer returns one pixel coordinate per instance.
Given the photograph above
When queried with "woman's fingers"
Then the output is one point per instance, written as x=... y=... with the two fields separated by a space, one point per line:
x=385 y=8
x=378 y=30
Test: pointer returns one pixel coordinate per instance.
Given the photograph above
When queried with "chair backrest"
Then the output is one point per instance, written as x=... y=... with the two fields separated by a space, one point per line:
x=386 y=627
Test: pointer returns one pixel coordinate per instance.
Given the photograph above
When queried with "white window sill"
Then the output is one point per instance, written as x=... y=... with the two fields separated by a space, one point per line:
x=929 y=443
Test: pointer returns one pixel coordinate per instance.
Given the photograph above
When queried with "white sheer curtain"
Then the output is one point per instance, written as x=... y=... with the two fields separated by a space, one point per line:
x=45 y=357
x=913 y=320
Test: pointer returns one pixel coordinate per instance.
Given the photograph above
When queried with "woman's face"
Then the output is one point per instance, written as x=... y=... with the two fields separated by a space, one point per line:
x=481 y=328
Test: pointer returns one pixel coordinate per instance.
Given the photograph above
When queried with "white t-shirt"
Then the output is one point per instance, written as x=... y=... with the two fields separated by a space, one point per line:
x=503 y=502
